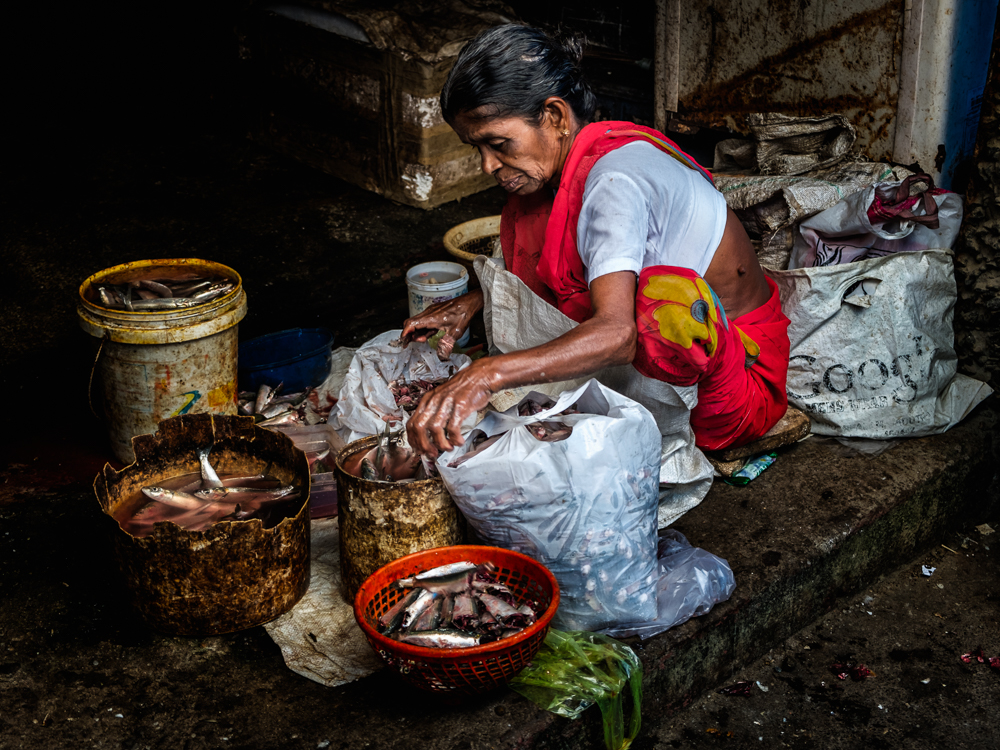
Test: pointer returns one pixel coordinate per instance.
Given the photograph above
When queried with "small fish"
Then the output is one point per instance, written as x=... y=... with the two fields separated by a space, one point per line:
x=368 y=469
x=393 y=618
x=159 y=289
x=287 y=417
x=209 y=479
x=464 y=614
x=446 y=570
x=264 y=397
x=440 y=639
x=274 y=410
x=188 y=289
x=213 y=291
x=430 y=618
x=218 y=493
x=174 y=498
x=454 y=583
x=414 y=611
x=504 y=613
x=484 y=445
x=173 y=303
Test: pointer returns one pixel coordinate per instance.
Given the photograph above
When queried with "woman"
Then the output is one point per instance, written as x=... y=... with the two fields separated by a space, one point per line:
x=621 y=231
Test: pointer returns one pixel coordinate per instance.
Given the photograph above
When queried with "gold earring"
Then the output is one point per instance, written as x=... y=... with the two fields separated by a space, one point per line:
x=565 y=133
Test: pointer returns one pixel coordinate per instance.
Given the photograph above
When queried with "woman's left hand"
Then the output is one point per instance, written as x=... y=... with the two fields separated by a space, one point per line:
x=436 y=424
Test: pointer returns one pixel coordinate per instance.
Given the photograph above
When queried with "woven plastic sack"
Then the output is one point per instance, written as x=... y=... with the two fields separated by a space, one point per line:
x=585 y=506
x=872 y=346
x=575 y=670
x=852 y=230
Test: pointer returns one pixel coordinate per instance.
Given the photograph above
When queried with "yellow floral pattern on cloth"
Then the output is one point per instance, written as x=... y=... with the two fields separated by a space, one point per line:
x=691 y=312
x=751 y=347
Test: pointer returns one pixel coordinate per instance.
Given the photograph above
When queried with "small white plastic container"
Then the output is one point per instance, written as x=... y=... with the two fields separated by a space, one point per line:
x=437 y=281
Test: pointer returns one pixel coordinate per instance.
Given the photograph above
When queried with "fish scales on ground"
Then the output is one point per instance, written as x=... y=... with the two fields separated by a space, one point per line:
x=210 y=500
x=450 y=607
x=152 y=294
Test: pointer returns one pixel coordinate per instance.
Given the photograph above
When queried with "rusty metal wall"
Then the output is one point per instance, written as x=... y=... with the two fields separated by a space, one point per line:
x=804 y=57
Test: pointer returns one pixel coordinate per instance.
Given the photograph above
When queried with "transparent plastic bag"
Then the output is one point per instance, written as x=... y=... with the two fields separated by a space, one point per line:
x=365 y=398
x=691 y=582
x=584 y=506
x=574 y=670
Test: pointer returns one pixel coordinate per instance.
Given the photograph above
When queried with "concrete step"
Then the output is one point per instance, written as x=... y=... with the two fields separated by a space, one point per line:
x=815 y=527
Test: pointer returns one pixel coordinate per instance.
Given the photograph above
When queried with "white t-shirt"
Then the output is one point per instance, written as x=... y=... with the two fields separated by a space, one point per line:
x=641 y=208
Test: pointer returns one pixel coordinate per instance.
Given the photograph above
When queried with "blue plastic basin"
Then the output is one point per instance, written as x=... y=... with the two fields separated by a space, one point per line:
x=300 y=358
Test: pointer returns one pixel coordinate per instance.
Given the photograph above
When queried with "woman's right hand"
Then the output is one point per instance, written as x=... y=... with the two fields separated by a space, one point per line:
x=453 y=316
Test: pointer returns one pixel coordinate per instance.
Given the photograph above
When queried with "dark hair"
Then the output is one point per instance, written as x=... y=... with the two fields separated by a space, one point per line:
x=514 y=69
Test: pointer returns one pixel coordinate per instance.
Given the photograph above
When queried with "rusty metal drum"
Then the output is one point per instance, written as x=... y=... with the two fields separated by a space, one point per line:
x=153 y=365
x=383 y=521
x=234 y=574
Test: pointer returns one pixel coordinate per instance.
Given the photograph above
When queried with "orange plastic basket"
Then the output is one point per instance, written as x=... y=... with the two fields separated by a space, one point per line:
x=462 y=670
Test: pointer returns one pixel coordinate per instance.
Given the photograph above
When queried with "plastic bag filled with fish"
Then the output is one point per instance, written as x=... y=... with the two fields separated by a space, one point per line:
x=691 y=581
x=573 y=671
x=385 y=379
x=574 y=486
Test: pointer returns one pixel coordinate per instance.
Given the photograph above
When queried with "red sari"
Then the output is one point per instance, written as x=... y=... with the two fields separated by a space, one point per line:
x=684 y=336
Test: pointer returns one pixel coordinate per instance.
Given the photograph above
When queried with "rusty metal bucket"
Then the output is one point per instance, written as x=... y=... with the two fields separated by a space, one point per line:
x=383 y=521
x=235 y=574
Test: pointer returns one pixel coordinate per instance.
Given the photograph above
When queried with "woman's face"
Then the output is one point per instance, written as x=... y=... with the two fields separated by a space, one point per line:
x=521 y=155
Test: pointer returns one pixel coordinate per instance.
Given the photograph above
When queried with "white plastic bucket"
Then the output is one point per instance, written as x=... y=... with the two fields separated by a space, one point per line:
x=427 y=288
x=157 y=365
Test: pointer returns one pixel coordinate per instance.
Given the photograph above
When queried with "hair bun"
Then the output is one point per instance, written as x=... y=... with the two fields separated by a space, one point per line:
x=572 y=46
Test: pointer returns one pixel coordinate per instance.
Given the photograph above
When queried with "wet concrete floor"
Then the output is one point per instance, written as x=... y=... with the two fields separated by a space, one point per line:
x=77 y=669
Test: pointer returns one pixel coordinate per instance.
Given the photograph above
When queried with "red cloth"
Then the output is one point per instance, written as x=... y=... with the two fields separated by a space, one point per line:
x=538 y=233
x=739 y=365
x=741 y=390
x=739 y=403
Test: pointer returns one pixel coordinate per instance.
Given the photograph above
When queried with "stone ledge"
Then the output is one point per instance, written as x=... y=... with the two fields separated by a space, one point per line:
x=814 y=527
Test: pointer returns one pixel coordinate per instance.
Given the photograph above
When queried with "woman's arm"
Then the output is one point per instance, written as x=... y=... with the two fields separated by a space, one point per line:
x=605 y=340
x=453 y=316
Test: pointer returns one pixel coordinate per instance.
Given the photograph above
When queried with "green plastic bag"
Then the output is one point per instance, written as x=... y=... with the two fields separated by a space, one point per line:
x=574 y=670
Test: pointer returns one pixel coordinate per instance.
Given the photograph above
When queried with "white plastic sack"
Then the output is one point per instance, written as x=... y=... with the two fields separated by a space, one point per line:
x=691 y=582
x=365 y=397
x=585 y=506
x=843 y=233
x=517 y=318
x=872 y=346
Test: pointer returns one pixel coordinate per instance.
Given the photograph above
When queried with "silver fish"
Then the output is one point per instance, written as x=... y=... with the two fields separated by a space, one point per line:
x=171 y=497
x=258 y=493
x=430 y=618
x=445 y=570
x=440 y=639
x=454 y=583
x=209 y=478
x=393 y=618
x=159 y=289
x=274 y=410
x=215 y=290
x=264 y=396
x=414 y=611
x=172 y=303
x=286 y=417
x=189 y=289
x=368 y=470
